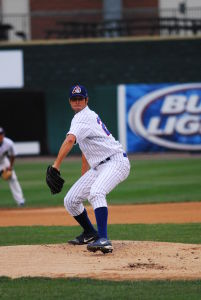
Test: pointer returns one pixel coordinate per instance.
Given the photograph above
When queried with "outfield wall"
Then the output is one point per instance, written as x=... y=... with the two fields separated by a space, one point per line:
x=50 y=68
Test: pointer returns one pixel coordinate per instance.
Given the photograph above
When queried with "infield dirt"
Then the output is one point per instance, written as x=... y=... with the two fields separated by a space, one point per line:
x=123 y=214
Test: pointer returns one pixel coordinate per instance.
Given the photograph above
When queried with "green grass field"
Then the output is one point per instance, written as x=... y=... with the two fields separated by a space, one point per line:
x=82 y=289
x=178 y=233
x=150 y=181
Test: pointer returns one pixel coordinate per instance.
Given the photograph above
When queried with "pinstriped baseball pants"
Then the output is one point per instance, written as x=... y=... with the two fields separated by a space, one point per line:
x=95 y=184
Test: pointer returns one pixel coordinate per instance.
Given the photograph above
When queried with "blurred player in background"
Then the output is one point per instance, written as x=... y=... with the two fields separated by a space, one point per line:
x=104 y=166
x=7 y=158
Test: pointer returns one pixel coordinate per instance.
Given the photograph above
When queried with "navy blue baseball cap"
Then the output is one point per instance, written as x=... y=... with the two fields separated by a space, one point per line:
x=78 y=90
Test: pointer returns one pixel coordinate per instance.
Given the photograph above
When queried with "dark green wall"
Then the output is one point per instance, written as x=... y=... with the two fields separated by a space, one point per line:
x=94 y=64
x=53 y=68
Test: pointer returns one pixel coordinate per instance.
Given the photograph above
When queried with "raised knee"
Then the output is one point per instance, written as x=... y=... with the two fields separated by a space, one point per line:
x=71 y=202
x=73 y=205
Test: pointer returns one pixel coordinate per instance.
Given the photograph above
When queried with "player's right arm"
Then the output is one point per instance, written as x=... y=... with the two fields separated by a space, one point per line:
x=64 y=150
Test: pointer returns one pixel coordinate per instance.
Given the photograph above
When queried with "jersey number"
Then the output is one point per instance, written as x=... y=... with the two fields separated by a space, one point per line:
x=103 y=126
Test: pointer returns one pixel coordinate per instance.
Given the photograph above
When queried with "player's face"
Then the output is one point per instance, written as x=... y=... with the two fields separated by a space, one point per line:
x=78 y=103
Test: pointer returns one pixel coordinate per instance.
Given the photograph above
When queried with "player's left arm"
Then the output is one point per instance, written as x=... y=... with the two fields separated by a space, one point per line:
x=85 y=165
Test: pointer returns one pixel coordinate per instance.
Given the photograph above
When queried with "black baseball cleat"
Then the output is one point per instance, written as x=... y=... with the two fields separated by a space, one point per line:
x=84 y=238
x=102 y=244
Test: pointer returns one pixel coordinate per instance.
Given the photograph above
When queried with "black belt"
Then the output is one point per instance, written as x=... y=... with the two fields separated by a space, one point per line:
x=108 y=158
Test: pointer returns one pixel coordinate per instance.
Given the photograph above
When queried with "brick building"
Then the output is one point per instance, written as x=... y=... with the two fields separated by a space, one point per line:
x=37 y=18
x=49 y=19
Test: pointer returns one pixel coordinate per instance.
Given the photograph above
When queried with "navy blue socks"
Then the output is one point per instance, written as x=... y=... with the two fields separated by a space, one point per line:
x=84 y=221
x=101 y=214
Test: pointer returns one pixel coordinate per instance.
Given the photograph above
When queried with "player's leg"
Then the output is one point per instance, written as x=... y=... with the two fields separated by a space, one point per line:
x=73 y=203
x=110 y=175
x=16 y=189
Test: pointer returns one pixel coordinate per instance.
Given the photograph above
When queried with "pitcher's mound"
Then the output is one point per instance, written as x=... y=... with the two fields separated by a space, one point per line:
x=129 y=261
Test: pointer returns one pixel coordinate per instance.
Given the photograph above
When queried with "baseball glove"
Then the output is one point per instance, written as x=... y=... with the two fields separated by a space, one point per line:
x=54 y=180
x=6 y=174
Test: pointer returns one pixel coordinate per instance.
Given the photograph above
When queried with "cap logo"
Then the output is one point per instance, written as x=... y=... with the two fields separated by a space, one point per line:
x=76 y=90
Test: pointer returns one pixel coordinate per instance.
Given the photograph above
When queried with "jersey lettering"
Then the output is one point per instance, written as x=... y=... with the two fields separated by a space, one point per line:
x=103 y=126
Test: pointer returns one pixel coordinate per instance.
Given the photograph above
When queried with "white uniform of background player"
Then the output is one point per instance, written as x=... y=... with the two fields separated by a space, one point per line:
x=104 y=166
x=7 y=156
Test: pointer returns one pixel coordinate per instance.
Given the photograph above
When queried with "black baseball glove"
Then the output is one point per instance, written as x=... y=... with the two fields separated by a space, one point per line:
x=54 y=180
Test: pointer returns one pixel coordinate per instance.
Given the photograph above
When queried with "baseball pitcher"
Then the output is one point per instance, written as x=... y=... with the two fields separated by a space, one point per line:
x=104 y=166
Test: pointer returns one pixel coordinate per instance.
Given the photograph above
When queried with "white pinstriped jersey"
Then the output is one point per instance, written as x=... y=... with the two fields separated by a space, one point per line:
x=7 y=148
x=95 y=141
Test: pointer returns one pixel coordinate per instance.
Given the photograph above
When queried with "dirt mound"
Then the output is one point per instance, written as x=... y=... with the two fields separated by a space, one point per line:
x=129 y=261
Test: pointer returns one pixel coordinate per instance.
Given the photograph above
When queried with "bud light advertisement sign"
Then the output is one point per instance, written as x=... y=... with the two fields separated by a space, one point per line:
x=160 y=117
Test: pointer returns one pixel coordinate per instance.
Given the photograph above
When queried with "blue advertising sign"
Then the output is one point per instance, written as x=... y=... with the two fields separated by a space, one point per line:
x=160 y=117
